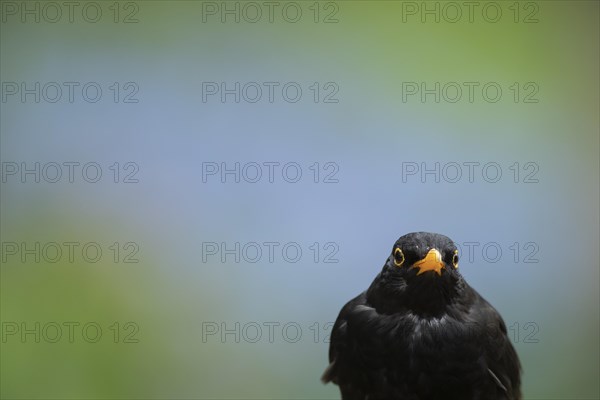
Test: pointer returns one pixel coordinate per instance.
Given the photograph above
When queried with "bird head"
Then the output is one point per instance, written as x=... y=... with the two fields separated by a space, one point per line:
x=421 y=273
x=423 y=254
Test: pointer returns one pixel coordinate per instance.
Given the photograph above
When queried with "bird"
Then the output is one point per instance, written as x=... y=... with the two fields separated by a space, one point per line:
x=420 y=332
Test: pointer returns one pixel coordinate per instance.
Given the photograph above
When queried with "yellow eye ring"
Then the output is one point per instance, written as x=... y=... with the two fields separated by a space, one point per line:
x=455 y=259
x=398 y=257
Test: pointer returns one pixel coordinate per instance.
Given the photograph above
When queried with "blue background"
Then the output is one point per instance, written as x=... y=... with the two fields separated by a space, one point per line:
x=369 y=52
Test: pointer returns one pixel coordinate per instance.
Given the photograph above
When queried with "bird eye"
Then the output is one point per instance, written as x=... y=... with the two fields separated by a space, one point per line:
x=398 y=257
x=455 y=259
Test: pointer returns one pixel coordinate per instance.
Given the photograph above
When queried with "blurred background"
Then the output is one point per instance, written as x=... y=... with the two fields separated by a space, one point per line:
x=192 y=190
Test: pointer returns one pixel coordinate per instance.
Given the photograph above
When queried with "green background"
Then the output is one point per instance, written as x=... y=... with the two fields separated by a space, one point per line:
x=369 y=50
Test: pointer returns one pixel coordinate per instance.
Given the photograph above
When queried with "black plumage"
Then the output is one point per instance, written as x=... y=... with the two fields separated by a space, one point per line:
x=421 y=332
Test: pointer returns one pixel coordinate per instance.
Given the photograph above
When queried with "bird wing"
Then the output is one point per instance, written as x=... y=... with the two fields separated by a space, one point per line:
x=345 y=350
x=499 y=354
x=338 y=340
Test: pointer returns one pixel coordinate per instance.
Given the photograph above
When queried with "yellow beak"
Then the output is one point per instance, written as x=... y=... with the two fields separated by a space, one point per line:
x=431 y=262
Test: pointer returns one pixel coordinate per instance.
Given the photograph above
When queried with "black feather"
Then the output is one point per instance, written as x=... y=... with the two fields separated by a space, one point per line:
x=422 y=337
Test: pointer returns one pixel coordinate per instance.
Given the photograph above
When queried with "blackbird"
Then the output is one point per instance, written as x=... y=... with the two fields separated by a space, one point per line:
x=421 y=332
